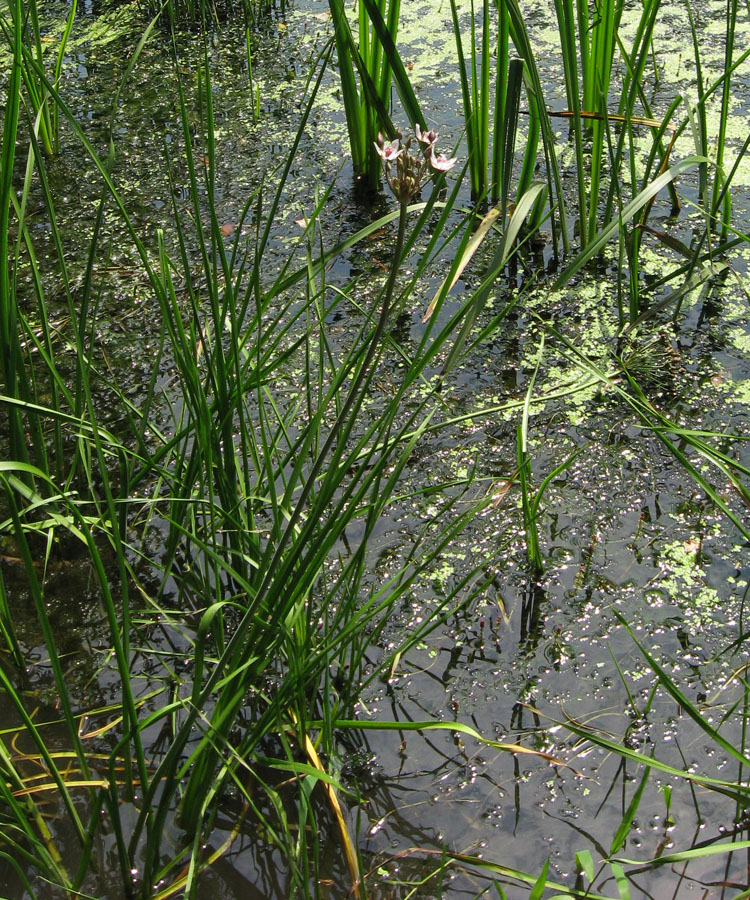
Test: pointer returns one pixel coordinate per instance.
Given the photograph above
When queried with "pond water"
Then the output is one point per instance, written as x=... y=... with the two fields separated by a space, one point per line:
x=626 y=533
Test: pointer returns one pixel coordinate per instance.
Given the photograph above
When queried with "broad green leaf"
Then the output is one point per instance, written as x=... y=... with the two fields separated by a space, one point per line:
x=623 y=885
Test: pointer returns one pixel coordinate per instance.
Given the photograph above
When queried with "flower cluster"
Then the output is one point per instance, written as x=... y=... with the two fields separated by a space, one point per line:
x=405 y=171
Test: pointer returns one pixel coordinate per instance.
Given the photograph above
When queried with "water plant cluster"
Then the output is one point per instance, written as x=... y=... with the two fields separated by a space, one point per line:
x=222 y=511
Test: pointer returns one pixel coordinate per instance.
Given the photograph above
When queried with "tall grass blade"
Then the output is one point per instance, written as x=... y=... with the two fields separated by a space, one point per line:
x=11 y=360
x=596 y=244
x=726 y=97
x=506 y=138
x=627 y=820
x=395 y=66
x=502 y=254
x=522 y=42
x=500 y=161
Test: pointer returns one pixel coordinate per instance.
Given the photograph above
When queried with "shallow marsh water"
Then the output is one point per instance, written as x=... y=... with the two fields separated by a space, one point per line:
x=623 y=529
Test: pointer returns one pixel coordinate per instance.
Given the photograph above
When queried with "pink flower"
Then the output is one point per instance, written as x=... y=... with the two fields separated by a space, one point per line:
x=410 y=170
x=438 y=162
x=390 y=151
x=425 y=137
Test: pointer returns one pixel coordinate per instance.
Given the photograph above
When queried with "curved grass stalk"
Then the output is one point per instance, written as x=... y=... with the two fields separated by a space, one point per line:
x=501 y=256
x=39 y=849
x=596 y=244
x=329 y=786
x=433 y=725
x=735 y=791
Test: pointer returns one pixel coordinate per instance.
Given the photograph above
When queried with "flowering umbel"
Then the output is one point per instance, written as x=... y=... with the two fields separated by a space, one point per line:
x=406 y=171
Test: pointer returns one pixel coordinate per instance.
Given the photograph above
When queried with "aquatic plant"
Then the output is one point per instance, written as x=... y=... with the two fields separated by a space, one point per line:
x=254 y=492
x=209 y=14
x=230 y=531
x=590 y=41
x=11 y=357
x=42 y=106
x=412 y=170
x=476 y=95
x=378 y=65
x=477 y=101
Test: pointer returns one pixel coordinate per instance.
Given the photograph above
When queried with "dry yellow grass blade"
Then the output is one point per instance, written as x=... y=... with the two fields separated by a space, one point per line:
x=471 y=248
x=613 y=117
x=51 y=786
x=181 y=879
x=349 y=850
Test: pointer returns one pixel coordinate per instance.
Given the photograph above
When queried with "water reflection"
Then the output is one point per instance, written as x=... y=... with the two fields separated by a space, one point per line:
x=533 y=600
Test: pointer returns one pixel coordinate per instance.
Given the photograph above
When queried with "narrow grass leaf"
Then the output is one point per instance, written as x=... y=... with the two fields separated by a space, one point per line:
x=668 y=859
x=499 y=260
x=598 y=242
x=585 y=864
x=627 y=820
x=471 y=248
x=684 y=702
x=540 y=884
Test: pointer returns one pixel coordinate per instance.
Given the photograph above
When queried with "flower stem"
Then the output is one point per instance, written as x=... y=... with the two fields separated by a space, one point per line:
x=387 y=300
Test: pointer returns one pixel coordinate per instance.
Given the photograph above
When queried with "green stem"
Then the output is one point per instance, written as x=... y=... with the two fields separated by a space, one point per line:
x=279 y=567
x=354 y=391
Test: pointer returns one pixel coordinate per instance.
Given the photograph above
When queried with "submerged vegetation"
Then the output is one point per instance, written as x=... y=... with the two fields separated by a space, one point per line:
x=275 y=442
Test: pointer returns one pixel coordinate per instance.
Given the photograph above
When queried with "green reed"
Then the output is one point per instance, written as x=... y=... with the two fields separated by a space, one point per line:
x=26 y=25
x=493 y=117
x=257 y=486
x=476 y=92
x=368 y=68
x=603 y=112
x=256 y=491
x=11 y=357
